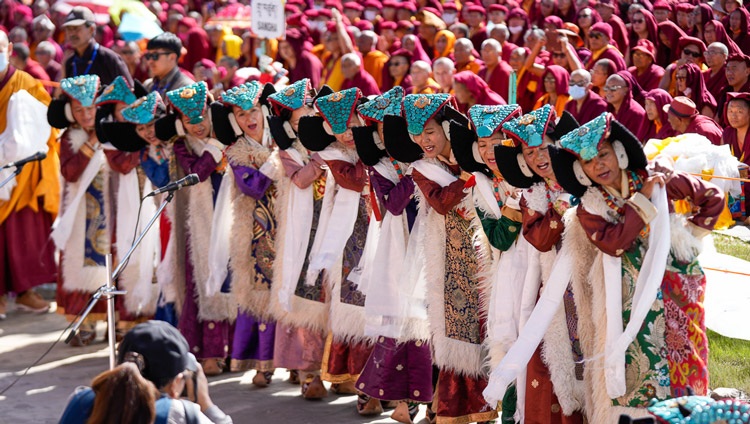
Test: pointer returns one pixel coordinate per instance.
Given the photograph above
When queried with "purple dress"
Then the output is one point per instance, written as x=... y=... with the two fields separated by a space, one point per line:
x=397 y=371
x=253 y=343
x=207 y=339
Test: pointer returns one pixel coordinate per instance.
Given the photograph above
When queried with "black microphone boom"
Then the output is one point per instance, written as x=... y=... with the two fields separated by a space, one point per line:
x=189 y=180
x=33 y=158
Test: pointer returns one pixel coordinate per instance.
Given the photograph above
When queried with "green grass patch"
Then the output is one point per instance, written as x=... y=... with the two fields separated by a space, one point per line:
x=729 y=359
x=732 y=246
x=728 y=362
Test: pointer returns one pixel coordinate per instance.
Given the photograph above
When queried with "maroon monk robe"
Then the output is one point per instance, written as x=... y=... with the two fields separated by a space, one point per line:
x=508 y=48
x=498 y=78
x=364 y=81
x=633 y=117
x=593 y=106
x=650 y=78
x=608 y=53
x=717 y=83
x=742 y=154
x=706 y=127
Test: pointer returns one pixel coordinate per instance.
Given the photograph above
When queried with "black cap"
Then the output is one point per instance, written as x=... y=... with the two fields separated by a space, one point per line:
x=79 y=15
x=164 y=351
x=166 y=41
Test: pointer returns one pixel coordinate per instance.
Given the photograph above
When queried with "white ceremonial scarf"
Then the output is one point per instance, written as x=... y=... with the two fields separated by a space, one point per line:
x=221 y=233
x=299 y=217
x=385 y=307
x=414 y=281
x=649 y=280
x=337 y=218
x=76 y=191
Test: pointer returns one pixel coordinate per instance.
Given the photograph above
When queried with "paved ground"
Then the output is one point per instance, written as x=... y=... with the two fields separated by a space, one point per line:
x=41 y=396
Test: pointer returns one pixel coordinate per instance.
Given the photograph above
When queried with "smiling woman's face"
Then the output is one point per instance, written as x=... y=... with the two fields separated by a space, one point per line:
x=433 y=140
x=538 y=159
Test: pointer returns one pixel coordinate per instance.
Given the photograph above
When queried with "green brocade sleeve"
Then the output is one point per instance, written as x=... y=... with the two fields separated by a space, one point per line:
x=502 y=233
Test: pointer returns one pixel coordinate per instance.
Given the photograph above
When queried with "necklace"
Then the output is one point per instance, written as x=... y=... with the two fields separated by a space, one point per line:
x=397 y=167
x=635 y=183
x=90 y=63
x=496 y=190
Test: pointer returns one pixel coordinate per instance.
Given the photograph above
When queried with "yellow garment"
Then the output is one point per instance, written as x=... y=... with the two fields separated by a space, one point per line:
x=231 y=46
x=562 y=100
x=431 y=87
x=595 y=55
x=37 y=180
x=373 y=62
x=332 y=74
x=451 y=37
x=472 y=66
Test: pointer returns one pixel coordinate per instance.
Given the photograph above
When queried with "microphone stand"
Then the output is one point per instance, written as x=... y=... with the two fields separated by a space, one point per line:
x=11 y=176
x=110 y=291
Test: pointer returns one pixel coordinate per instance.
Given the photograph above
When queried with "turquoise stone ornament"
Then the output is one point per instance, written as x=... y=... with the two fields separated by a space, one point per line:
x=244 y=96
x=293 y=97
x=585 y=141
x=488 y=119
x=143 y=110
x=420 y=108
x=530 y=128
x=190 y=101
x=118 y=91
x=82 y=88
x=338 y=108
x=388 y=103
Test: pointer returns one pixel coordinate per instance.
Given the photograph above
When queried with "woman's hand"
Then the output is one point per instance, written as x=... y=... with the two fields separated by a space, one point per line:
x=653 y=180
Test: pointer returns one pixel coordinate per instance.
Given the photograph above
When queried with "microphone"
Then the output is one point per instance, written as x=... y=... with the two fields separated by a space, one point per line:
x=191 y=179
x=33 y=158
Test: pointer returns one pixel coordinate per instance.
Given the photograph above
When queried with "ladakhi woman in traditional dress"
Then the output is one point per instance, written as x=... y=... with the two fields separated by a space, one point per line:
x=83 y=231
x=450 y=264
x=641 y=316
x=208 y=310
x=400 y=366
x=250 y=225
x=301 y=310
x=136 y=134
x=340 y=241
x=139 y=304
x=552 y=388
x=637 y=286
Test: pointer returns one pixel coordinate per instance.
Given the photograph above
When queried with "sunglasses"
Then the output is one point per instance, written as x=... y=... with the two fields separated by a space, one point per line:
x=691 y=53
x=680 y=78
x=397 y=63
x=638 y=21
x=613 y=88
x=596 y=35
x=558 y=55
x=155 y=55
x=584 y=15
x=579 y=83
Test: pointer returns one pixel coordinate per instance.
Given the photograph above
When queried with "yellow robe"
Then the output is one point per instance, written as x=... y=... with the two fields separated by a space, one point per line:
x=38 y=180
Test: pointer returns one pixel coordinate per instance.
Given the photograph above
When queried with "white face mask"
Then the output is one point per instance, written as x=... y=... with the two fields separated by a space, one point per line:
x=4 y=60
x=515 y=29
x=576 y=92
x=449 y=18
x=370 y=15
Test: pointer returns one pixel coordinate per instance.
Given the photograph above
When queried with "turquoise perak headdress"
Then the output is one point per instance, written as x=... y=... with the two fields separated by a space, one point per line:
x=190 y=101
x=82 y=88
